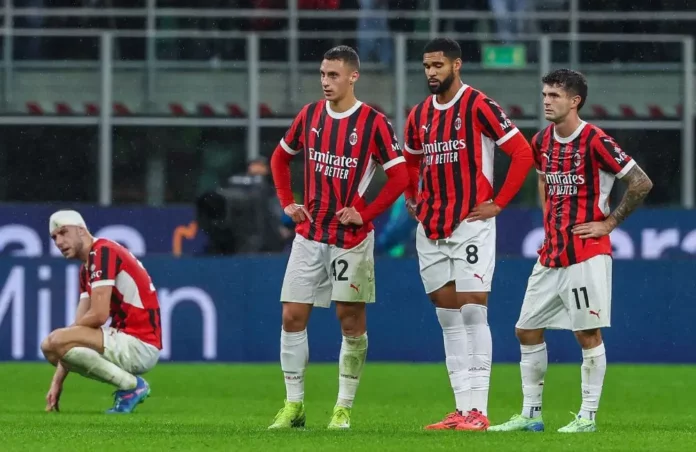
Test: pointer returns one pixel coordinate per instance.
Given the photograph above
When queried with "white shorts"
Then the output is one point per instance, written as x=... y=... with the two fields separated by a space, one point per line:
x=318 y=273
x=574 y=298
x=129 y=353
x=467 y=257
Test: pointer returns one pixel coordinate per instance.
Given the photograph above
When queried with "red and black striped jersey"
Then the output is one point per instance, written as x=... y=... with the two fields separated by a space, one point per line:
x=456 y=142
x=134 y=305
x=341 y=154
x=579 y=171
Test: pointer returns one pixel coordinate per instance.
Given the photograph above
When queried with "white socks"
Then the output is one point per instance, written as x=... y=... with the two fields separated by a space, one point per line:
x=294 y=354
x=594 y=367
x=533 y=365
x=351 y=361
x=480 y=354
x=91 y=364
x=468 y=352
x=457 y=355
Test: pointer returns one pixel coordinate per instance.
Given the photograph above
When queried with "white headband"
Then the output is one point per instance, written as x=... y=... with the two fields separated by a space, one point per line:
x=65 y=218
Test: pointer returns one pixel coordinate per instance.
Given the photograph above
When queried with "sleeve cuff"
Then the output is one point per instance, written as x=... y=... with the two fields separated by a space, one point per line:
x=507 y=136
x=105 y=282
x=394 y=161
x=626 y=169
x=287 y=148
x=413 y=151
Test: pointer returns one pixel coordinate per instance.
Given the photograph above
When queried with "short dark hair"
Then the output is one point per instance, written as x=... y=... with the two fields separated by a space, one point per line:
x=571 y=81
x=449 y=48
x=344 y=53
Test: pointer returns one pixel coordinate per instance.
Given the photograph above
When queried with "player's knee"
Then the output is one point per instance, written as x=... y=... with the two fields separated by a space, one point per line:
x=50 y=347
x=352 y=318
x=445 y=297
x=353 y=327
x=589 y=338
x=529 y=337
x=295 y=317
x=474 y=299
x=51 y=343
x=46 y=347
x=57 y=342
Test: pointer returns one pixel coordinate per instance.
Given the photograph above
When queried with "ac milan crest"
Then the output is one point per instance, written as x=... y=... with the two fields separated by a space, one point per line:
x=353 y=138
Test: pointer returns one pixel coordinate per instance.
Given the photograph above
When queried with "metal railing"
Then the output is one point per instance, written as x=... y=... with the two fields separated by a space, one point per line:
x=434 y=15
x=253 y=122
x=571 y=16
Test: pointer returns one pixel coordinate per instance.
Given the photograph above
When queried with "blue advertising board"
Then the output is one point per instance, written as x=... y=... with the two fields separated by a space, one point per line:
x=227 y=309
x=144 y=230
x=647 y=234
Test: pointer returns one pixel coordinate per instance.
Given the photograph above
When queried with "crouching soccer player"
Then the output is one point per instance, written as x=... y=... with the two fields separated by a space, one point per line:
x=113 y=283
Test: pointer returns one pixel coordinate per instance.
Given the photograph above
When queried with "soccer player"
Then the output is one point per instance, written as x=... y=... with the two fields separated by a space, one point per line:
x=332 y=253
x=452 y=136
x=113 y=283
x=570 y=285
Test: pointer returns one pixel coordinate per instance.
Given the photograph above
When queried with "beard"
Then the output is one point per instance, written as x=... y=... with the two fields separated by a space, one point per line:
x=443 y=86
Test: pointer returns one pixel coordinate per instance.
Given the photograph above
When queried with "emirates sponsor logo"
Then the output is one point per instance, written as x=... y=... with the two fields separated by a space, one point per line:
x=564 y=184
x=337 y=166
x=441 y=152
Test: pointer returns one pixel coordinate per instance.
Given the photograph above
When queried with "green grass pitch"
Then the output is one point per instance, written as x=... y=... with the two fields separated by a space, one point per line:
x=228 y=407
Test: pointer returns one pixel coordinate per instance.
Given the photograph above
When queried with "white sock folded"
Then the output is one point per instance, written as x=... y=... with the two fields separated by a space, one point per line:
x=90 y=363
x=480 y=354
x=456 y=355
x=351 y=361
x=533 y=364
x=594 y=367
x=294 y=355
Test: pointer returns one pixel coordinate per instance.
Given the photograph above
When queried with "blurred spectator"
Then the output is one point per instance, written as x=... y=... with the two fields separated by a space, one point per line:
x=371 y=21
x=471 y=51
x=28 y=47
x=243 y=216
x=507 y=26
x=313 y=49
x=271 y=49
x=259 y=168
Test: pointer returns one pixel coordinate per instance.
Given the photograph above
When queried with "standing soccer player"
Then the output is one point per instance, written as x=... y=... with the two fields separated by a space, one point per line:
x=570 y=286
x=332 y=254
x=113 y=283
x=453 y=135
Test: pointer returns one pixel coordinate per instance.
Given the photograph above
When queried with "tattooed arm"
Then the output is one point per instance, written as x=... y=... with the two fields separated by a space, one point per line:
x=639 y=185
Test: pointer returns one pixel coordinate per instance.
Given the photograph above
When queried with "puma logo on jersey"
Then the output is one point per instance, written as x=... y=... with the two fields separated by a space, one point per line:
x=315 y=130
x=425 y=128
x=595 y=313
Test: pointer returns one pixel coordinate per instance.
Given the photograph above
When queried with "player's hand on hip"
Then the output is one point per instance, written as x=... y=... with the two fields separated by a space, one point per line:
x=483 y=211
x=411 y=206
x=348 y=215
x=53 y=397
x=298 y=213
x=592 y=230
